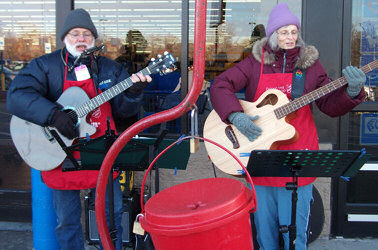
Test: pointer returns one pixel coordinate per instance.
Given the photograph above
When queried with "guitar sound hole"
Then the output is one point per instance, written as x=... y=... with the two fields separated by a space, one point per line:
x=232 y=137
x=72 y=115
x=270 y=99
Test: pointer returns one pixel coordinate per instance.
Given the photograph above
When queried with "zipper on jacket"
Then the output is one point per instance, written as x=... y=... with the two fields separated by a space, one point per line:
x=284 y=62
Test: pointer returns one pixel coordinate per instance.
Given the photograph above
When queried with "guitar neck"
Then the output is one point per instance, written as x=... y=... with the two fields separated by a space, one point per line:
x=302 y=101
x=105 y=96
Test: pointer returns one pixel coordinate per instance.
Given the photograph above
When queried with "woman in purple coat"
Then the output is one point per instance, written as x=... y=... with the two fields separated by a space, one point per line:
x=271 y=64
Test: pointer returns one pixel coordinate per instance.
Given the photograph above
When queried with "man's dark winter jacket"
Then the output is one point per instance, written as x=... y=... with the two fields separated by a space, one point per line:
x=33 y=93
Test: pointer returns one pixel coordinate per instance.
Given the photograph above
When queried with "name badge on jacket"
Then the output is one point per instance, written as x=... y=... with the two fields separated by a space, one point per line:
x=82 y=73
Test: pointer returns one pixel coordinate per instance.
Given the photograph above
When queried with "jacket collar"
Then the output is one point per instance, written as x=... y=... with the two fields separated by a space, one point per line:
x=305 y=56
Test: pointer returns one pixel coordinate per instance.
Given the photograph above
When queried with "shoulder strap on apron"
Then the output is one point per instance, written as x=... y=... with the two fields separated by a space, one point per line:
x=299 y=77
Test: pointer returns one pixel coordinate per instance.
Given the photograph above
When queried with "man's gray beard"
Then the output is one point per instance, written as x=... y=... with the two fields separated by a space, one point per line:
x=72 y=48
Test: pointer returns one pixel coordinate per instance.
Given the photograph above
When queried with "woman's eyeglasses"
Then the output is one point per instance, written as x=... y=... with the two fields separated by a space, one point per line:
x=285 y=33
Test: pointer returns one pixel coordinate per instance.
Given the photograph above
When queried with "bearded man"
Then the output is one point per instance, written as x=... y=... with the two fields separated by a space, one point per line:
x=33 y=97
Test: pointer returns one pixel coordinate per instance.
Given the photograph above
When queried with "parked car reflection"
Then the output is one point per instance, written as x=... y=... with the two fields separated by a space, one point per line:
x=9 y=76
x=11 y=71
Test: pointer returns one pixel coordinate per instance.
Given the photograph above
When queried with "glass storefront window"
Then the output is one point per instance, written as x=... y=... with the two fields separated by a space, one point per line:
x=232 y=28
x=364 y=43
x=363 y=125
x=27 y=29
x=136 y=31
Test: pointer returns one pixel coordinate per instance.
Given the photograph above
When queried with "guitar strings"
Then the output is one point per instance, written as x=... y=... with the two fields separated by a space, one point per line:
x=74 y=115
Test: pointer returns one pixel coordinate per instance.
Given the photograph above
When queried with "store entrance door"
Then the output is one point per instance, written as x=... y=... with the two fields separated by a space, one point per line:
x=355 y=204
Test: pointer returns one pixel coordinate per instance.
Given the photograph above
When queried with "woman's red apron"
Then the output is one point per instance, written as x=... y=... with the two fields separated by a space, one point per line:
x=82 y=179
x=303 y=123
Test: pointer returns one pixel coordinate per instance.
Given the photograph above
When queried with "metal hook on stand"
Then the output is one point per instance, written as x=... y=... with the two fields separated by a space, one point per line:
x=194 y=140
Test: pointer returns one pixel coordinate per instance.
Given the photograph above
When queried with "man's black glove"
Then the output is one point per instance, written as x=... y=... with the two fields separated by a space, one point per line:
x=137 y=87
x=64 y=124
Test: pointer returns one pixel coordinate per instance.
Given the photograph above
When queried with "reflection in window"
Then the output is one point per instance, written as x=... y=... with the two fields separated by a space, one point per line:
x=363 y=132
x=136 y=31
x=365 y=41
x=28 y=29
x=233 y=26
x=134 y=54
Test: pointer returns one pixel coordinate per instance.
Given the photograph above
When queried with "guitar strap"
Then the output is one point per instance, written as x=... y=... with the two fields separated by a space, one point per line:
x=299 y=77
x=94 y=70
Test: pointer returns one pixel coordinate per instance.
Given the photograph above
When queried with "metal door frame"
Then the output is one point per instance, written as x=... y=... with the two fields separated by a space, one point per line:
x=341 y=222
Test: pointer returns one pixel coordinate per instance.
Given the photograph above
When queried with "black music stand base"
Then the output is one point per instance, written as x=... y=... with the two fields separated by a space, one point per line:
x=292 y=228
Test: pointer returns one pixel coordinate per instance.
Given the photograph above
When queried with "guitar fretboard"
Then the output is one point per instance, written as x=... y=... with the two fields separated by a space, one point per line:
x=302 y=101
x=105 y=96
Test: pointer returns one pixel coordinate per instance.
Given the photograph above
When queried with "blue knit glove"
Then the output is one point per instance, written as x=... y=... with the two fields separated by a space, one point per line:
x=356 y=79
x=244 y=123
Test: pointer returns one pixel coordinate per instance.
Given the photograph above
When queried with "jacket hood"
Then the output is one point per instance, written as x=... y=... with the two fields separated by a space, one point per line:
x=307 y=54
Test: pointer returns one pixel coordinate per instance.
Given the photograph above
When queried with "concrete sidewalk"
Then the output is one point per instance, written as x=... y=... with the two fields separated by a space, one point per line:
x=19 y=236
x=343 y=244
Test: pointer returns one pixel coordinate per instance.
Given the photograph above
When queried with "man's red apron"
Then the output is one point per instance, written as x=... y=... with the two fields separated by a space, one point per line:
x=83 y=179
x=303 y=123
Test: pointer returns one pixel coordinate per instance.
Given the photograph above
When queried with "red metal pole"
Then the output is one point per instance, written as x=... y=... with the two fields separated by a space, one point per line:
x=167 y=115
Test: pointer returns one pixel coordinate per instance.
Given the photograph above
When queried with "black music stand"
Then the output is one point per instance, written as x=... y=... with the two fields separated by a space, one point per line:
x=100 y=146
x=135 y=156
x=304 y=163
x=76 y=165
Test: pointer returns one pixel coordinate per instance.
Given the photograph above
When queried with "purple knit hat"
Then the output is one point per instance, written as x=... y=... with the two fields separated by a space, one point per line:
x=281 y=16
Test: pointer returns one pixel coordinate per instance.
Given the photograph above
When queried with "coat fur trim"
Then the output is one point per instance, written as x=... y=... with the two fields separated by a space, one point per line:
x=307 y=55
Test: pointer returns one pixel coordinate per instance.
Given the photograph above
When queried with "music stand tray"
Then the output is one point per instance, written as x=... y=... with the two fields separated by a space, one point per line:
x=135 y=155
x=309 y=163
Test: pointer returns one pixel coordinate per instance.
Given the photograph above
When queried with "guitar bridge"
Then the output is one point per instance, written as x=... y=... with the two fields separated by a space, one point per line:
x=232 y=137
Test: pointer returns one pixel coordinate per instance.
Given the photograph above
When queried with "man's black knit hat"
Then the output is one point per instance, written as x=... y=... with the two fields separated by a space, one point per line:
x=78 y=18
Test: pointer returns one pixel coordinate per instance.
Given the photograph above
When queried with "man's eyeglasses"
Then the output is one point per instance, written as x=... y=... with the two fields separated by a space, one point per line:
x=76 y=35
x=285 y=33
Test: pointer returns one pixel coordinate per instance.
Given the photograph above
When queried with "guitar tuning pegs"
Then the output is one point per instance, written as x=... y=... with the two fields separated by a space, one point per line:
x=159 y=56
x=152 y=59
x=165 y=53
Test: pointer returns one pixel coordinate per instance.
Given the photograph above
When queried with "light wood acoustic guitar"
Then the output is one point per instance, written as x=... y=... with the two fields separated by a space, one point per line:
x=275 y=111
x=37 y=145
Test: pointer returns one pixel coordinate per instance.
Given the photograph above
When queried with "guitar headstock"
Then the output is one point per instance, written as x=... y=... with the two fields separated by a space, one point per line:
x=163 y=64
